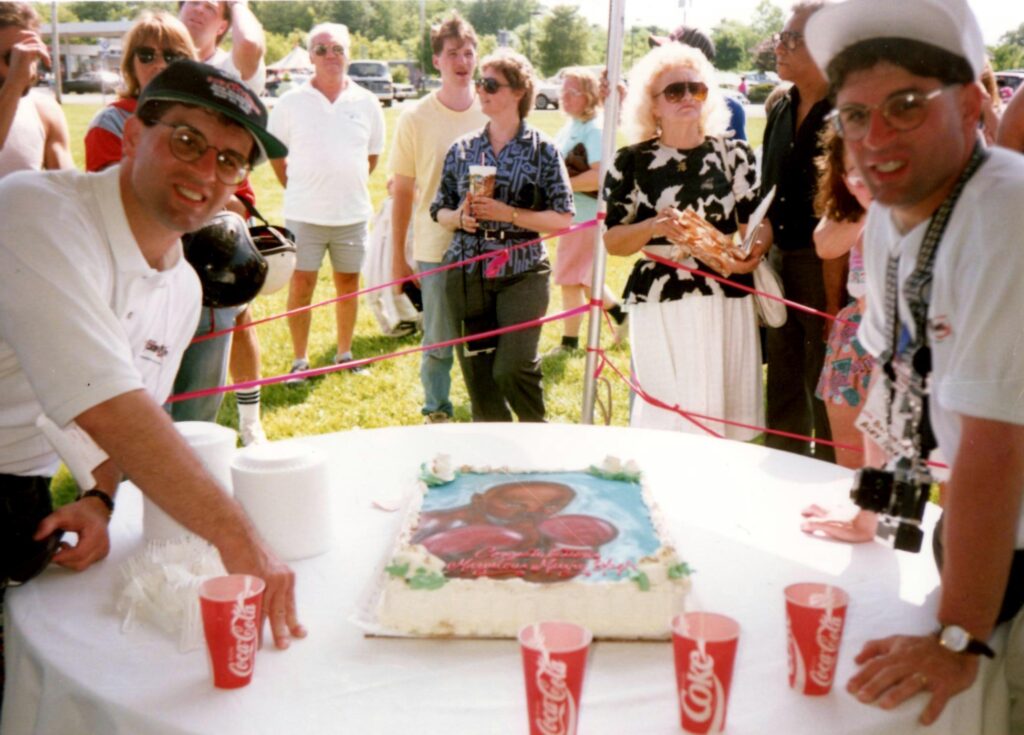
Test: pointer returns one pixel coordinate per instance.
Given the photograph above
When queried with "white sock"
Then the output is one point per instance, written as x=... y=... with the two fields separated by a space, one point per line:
x=248 y=405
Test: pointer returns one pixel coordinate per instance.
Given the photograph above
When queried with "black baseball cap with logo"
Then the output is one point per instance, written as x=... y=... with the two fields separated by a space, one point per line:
x=193 y=83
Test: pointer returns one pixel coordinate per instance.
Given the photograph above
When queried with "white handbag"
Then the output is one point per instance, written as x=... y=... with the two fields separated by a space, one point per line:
x=770 y=312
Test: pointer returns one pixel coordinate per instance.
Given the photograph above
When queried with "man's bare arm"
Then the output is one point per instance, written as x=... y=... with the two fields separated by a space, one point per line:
x=57 y=153
x=403 y=189
x=139 y=436
x=247 y=39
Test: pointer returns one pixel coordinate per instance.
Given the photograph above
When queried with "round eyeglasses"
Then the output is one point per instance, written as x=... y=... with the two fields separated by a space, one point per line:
x=188 y=144
x=791 y=40
x=902 y=111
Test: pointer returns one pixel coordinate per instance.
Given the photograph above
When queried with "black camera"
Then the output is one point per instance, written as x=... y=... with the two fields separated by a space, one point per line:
x=899 y=498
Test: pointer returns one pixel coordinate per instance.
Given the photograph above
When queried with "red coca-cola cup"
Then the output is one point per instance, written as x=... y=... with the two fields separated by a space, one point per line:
x=231 y=621
x=554 y=659
x=815 y=614
x=704 y=645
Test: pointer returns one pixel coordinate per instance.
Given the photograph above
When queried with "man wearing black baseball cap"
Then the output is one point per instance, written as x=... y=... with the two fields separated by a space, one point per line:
x=97 y=305
x=944 y=268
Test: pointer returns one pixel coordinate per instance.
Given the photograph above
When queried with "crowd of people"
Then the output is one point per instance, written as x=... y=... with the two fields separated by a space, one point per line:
x=883 y=128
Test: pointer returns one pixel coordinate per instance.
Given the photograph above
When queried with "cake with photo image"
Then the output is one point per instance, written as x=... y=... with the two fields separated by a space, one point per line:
x=484 y=551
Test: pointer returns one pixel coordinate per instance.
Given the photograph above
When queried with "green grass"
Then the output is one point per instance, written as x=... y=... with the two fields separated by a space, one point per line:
x=390 y=395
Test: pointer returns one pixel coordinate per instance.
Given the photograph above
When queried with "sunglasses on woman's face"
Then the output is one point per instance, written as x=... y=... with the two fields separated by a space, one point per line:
x=490 y=85
x=321 y=49
x=676 y=91
x=147 y=55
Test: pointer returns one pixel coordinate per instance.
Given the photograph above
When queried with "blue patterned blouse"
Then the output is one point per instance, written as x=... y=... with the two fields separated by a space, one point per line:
x=529 y=162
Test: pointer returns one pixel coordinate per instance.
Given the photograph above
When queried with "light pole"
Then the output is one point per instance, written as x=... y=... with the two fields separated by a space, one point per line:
x=529 y=34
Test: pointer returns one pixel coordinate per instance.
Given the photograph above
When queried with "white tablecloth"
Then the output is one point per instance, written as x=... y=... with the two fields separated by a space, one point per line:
x=733 y=508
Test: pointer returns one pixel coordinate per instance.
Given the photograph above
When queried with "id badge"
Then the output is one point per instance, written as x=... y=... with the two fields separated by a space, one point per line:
x=872 y=420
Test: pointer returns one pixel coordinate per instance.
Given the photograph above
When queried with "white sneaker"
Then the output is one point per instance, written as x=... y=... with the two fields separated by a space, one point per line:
x=298 y=366
x=252 y=433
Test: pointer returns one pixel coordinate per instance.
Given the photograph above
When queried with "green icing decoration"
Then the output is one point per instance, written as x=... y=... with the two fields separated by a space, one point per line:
x=642 y=581
x=680 y=570
x=616 y=476
x=397 y=570
x=430 y=479
x=426 y=580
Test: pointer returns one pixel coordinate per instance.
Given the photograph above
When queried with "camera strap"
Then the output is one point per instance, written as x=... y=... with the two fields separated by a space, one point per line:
x=907 y=363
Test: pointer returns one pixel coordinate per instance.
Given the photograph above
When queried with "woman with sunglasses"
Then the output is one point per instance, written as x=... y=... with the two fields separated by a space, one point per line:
x=531 y=195
x=694 y=340
x=155 y=40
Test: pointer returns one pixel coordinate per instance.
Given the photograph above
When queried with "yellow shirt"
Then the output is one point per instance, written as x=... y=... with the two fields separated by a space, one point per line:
x=424 y=133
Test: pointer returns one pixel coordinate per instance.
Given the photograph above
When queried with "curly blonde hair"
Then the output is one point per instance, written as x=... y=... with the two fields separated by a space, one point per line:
x=638 y=121
x=589 y=84
x=518 y=70
x=160 y=29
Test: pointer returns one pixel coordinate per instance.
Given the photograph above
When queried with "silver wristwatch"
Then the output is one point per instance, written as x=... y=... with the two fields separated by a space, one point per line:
x=956 y=639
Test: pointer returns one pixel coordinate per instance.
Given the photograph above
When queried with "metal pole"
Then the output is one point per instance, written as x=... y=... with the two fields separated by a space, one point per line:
x=55 y=53
x=616 y=24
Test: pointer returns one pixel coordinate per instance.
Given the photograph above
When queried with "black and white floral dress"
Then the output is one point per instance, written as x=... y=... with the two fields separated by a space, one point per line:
x=694 y=340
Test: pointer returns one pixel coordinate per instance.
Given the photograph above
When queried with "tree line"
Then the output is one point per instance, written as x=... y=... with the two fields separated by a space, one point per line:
x=550 y=37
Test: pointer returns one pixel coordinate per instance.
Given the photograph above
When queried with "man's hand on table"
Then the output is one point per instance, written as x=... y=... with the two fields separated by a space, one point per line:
x=896 y=668
x=279 y=597
x=88 y=518
x=839 y=525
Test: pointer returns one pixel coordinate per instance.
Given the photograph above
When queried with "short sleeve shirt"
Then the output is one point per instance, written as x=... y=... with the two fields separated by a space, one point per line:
x=587 y=132
x=529 y=162
x=647 y=177
x=974 y=314
x=83 y=316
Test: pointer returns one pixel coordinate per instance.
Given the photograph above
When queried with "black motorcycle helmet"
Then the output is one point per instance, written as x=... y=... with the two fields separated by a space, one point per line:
x=230 y=267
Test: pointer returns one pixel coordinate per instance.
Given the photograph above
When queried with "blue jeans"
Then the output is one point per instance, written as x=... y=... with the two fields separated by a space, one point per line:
x=438 y=326
x=204 y=365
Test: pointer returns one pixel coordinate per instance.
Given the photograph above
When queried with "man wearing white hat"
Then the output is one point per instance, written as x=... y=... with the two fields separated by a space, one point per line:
x=944 y=269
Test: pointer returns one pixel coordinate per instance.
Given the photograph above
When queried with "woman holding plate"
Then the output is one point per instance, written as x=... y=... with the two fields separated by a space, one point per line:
x=525 y=191
x=694 y=340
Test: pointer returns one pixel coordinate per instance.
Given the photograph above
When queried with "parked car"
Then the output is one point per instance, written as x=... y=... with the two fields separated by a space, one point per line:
x=106 y=82
x=1008 y=82
x=374 y=76
x=760 y=77
x=547 y=93
x=404 y=91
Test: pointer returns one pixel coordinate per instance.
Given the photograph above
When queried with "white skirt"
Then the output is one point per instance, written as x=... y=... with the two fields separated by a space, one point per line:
x=701 y=354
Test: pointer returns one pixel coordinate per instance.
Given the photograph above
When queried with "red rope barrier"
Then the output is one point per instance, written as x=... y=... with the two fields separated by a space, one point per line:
x=314 y=372
x=498 y=255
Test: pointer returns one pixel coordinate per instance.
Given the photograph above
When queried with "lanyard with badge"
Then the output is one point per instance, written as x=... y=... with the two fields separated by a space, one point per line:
x=895 y=415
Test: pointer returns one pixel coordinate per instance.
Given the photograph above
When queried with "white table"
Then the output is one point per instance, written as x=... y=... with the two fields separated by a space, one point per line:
x=733 y=508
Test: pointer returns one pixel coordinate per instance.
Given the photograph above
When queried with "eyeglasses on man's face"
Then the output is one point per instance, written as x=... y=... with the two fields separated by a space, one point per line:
x=147 y=55
x=902 y=111
x=188 y=144
x=321 y=49
x=490 y=85
x=676 y=91
x=792 y=40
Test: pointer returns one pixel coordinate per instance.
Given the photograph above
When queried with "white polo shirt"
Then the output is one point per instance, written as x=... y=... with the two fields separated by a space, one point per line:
x=976 y=313
x=328 y=148
x=83 y=317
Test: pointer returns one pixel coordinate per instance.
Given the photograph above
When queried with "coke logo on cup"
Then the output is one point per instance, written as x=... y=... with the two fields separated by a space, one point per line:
x=244 y=632
x=703 y=698
x=827 y=637
x=558 y=710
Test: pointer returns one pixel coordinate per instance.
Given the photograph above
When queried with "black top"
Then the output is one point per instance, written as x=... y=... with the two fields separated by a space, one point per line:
x=788 y=164
x=648 y=176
